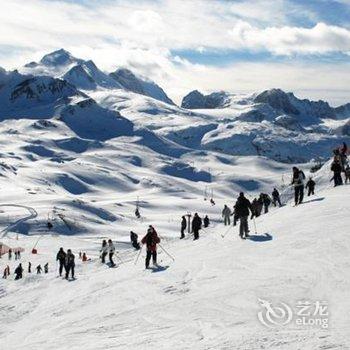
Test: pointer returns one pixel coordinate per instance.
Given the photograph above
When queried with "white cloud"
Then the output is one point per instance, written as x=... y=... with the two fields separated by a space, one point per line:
x=141 y=34
x=320 y=39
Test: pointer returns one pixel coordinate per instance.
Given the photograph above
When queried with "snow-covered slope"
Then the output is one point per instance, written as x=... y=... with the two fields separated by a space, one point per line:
x=208 y=298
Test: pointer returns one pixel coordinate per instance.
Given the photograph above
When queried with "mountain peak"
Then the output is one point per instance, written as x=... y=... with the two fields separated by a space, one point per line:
x=58 y=57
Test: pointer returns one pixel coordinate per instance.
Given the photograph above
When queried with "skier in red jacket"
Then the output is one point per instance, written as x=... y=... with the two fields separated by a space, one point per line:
x=151 y=240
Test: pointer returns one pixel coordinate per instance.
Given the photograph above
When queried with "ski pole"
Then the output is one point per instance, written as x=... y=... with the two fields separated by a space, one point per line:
x=138 y=255
x=255 y=225
x=166 y=253
x=117 y=255
x=227 y=231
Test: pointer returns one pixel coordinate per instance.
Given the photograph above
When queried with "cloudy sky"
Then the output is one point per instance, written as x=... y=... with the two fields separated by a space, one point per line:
x=234 y=45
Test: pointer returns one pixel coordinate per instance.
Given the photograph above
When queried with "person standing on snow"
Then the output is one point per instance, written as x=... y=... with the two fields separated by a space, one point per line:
x=347 y=174
x=337 y=169
x=206 y=221
x=243 y=206
x=19 y=272
x=38 y=269
x=266 y=202
x=226 y=213
x=10 y=254
x=310 y=185
x=111 y=250
x=276 y=198
x=29 y=267
x=6 y=272
x=104 y=251
x=134 y=240
x=61 y=258
x=46 y=268
x=196 y=226
x=151 y=240
x=70 y=264
x=298 y=183
x=183 y=227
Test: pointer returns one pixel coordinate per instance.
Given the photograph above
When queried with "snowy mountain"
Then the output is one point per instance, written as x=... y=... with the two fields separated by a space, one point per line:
x=196 y=100
x=139 y=85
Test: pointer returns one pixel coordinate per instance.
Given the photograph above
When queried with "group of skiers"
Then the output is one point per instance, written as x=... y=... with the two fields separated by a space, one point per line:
x=107 y=249
x=19 y=270
x=196 y=225
x=340 y=165
x=66 y=262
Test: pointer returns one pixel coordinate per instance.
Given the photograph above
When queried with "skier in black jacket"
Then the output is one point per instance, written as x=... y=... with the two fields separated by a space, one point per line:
x=70 y=263
x=61 y=258
x=276 y=197
x=310 y=185
x=183 y=227
x=206 y=221
x=242 y=209
x=337 y=169
x=196 y=226
x=19 y=272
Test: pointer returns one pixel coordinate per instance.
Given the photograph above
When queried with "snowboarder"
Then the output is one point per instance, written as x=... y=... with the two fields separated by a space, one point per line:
x=337 y=169
x=61 y=258
x=347 y=174
x=6 y=272
x=310 y=185
x=104 y=251
x=19 y=272
x=206 y=221
x=111 y=250
x=46 y=268
x=183 y=227
x=226 y=213
x=134 y=240
x=151 y=240
x=38 y=269
x=243 y=206
x=276 y=198
x=298 y=182
x=196 y=226
x=29 y=267
x=70 y=264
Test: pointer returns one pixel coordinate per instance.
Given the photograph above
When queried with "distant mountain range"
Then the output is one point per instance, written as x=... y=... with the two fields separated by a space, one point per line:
x=101 y=105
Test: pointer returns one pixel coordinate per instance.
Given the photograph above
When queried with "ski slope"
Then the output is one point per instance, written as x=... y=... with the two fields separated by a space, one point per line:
x=206 y=299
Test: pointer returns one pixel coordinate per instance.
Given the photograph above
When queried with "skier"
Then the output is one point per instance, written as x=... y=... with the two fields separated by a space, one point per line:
x=266 y=202
x=183 y=227
x=298 y=182
x=235 y=218
x=226 y=213
x=206 y=221
x=29 y=267
x=104 y=251
x=84 y=257
x=242 y=209
x=46 y=268
x=16 y=255
x=61 y=258
x=347 y=174
x=6 y=272
x=196 y=226
x=151 y=240
x=111 y=250
x=10 y=254
x=70 y=263
x=38 y=269
x=134 y=240
x=19 y=272
x=337 y=169
x=276 y=198
x=310 y=185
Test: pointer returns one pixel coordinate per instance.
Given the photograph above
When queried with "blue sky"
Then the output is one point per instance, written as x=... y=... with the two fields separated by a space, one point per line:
x=244 y=45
